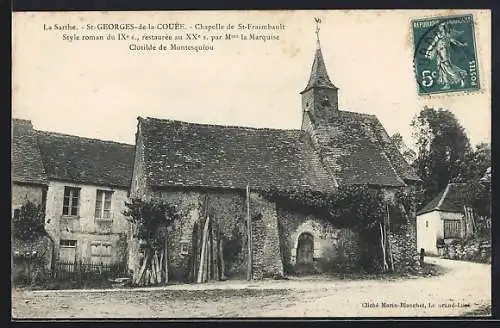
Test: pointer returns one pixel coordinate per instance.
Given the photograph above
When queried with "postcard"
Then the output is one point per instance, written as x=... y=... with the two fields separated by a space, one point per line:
x=251 y=164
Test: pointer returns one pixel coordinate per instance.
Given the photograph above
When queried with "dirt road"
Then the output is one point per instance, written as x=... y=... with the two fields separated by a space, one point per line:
x=465 y=287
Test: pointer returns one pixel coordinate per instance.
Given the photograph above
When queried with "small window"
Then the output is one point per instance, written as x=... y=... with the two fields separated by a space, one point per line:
x=17 y=212
x=103 y=204
x=71 y=201
x=68 y=243
x=184 y=248
x=427 y=224
x=67 y=251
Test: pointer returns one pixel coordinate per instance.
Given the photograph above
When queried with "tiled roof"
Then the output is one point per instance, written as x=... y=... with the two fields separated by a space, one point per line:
x=452 y=199
x=88 y=161
x=27 y=166
x=319 y=76
x=359 y=151
x=403 y=169
x=187 y=154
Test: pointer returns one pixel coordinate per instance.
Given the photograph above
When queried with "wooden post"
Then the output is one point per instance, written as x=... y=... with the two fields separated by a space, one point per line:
x=389 y=244
x=222 y=265
x=215 y=250
x=194 y=253
x=382 y=244
x=165 y=258
x=202 y=269
x=474 y=229
x=466 y=220
x=209 y=252
x=249 y=234
x=140 y=274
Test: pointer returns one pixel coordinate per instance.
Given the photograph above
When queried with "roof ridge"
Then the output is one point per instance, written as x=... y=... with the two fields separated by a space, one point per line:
x=60 y=134
x=384 y=154
x=220 y=125
x=445 y=193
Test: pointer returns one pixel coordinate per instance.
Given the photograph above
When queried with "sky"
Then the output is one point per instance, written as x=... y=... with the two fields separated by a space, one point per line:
x=97 y=89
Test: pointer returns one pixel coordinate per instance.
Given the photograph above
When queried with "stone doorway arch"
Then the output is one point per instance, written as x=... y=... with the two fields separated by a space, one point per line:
x=305 y=249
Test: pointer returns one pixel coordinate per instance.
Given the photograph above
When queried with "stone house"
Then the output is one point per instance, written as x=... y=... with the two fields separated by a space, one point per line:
x=444 y=218
x=29 y=180
x=205 y=170
x=88 y=183
x=29 y=183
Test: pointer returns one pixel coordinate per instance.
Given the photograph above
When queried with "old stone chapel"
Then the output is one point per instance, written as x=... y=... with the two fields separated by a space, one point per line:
x=205 y=170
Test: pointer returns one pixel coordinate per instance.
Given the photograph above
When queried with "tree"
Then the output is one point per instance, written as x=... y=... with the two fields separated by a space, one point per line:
x=29 y=221
x=408 y=154
x=151 y=220
x=477 y=162
x=28 y=226
x=443 y=148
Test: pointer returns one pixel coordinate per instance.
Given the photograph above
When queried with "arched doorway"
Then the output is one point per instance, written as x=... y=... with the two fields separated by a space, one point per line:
x=305 y=249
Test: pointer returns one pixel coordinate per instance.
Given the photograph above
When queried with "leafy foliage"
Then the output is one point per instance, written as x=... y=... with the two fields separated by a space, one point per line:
x=150 y=219
x=443 y=147
x=29 y=221
x=403 y=209
x=477 y=161
x=357 y=206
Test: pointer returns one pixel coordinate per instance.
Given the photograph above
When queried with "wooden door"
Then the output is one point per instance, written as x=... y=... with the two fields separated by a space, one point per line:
x=305 y=249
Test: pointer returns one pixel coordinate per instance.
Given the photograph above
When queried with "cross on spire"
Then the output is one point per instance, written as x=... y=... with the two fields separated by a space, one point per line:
x=318 y=21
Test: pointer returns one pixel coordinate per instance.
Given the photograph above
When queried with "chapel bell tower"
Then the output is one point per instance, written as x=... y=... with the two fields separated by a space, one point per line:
x=320 y=97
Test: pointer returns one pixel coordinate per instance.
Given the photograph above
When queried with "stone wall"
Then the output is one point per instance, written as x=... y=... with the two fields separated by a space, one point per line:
x=84 y=228
x=335 y=248
x=404 y=247
x=227 y=209
x=267 y=259
x=23 y=192
x=139 y=186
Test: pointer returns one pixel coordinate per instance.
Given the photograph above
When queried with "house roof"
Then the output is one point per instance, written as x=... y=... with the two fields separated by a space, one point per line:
x=452 y=199
x=188 y=154
x=319 y=76
x=84 y=160
x=27 y=165
x=359 y=151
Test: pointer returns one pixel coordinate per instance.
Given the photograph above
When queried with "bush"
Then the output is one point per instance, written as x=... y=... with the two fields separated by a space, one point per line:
x=29 y=221
x=468 y=250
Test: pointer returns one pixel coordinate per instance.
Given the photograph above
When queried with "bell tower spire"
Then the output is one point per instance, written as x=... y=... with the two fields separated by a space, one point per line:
x=320 y=96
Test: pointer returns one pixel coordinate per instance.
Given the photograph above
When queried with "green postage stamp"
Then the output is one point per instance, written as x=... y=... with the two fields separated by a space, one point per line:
x=445 y=55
